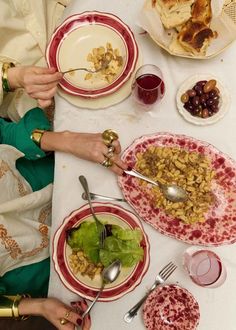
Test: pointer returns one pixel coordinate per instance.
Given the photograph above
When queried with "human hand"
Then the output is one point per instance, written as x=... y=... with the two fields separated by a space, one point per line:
x=56 y=312
x=39 y=83
x=90 y=146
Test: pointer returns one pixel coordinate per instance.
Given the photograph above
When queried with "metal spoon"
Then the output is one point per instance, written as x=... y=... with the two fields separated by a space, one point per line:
x=171 y=192
x=109 y=275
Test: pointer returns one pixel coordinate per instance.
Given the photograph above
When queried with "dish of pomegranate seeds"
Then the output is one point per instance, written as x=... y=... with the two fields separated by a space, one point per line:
x=202 y=100
x=171 y=307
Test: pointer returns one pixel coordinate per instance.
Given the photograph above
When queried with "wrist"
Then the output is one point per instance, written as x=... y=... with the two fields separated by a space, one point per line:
x=58 y=141
x=31 y=306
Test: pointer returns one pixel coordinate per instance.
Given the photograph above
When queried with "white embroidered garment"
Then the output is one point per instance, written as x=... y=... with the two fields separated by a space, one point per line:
x=25 y=216
x=25 y=26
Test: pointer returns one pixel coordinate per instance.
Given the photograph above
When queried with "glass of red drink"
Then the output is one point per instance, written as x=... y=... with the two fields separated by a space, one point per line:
x=148 y=86
x=204 y=267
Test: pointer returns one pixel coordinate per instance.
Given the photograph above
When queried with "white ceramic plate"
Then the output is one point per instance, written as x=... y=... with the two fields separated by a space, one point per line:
x=76 y=37
x=223 y=105
x=104 y=101
x=128 y=279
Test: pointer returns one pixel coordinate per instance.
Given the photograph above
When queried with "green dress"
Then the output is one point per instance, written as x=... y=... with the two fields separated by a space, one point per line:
x=38 y=169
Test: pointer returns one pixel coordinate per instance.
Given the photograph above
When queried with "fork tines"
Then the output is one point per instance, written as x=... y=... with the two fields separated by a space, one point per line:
x=167 y=270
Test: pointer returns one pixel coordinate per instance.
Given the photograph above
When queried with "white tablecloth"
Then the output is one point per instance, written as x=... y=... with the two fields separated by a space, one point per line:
x=217 y=306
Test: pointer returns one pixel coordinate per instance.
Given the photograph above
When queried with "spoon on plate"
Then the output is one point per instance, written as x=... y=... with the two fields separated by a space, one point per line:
x=171 y=192
x=109 y=275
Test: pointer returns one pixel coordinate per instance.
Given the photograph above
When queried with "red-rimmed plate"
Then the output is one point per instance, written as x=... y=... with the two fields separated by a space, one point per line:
x=220 y=225
x=75 y=38
x=128 y=279
x=171 y=307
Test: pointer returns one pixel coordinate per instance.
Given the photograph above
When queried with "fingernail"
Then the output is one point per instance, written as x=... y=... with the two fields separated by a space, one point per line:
x=73 y=303
x=129 y=168
x=79 y=322
x=124 y=174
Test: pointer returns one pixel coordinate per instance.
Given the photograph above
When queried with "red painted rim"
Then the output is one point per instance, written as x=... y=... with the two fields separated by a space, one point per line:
x=79 y=21
x=61 y=264
x=220 y=225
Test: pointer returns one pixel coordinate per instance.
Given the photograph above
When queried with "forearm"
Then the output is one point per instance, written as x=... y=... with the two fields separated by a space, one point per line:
x=59 y=141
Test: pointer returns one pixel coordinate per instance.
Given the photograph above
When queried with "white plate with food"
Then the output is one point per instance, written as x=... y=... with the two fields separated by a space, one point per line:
x=208 y=175
x=105 y=101
x=78 y=260
x=197 y=29
x=93 y=40
x=202 y=99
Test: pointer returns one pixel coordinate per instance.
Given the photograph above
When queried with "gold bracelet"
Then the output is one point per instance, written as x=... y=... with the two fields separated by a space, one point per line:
x=9 y=306
x=5 y=83
x=36 y=136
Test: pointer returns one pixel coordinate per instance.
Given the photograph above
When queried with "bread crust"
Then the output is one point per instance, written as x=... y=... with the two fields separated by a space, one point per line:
x=195 y=37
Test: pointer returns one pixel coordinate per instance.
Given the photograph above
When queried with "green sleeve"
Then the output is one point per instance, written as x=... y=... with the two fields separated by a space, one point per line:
x=18 y=134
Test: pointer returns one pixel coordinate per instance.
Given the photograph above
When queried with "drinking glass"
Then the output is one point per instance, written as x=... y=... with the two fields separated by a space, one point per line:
x=204 y=267
x=148 y=86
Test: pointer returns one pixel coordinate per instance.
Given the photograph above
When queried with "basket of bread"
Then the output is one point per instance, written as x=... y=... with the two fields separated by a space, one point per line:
x=190 y=28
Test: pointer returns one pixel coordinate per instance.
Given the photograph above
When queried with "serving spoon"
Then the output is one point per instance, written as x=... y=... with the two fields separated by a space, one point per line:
x=109 y=275
x=171 y=192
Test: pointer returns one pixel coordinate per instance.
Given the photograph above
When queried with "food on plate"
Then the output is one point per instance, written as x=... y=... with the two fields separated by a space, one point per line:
x=173 y=12
x=190 y=170
x=108 y=60
x=191 y=21
x=195 y=37
x=87 y=258
x=202 y=100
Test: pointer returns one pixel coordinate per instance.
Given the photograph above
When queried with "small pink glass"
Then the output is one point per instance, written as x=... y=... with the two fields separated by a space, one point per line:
x=148 y=86
x=204 y=267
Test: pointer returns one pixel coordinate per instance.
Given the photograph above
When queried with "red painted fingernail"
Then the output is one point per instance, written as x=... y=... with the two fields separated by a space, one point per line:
x=124 y=174
x=79 y=322
x=129 y=168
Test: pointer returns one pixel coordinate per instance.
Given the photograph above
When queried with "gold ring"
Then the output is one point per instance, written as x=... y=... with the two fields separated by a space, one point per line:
x=67 y=314
x=63 y=321
x=109 y=136
x=110 y=152
x=107 y=162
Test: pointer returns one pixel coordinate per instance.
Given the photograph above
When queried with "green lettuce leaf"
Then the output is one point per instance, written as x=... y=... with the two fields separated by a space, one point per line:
x=85 y=238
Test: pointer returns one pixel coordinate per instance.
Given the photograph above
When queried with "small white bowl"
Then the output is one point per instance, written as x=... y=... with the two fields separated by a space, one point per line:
x=223 y=104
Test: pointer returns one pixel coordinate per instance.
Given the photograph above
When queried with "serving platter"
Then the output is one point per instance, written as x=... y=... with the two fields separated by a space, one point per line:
x=224 y=23
x=129 y=277
x=220 y=221
x=75 y=39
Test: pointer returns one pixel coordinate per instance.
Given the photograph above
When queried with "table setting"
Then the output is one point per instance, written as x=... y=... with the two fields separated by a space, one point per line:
x=159 y=262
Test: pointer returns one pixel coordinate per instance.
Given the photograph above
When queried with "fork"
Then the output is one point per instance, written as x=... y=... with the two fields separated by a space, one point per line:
x=100 y=226
x=104 y=65
x=160 y=278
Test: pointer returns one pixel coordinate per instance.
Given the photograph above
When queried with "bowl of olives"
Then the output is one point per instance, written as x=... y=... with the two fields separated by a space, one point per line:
x=202 y=99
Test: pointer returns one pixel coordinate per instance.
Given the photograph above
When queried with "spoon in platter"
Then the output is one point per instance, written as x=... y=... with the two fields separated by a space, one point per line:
x=109 y=275
x=171 y=192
